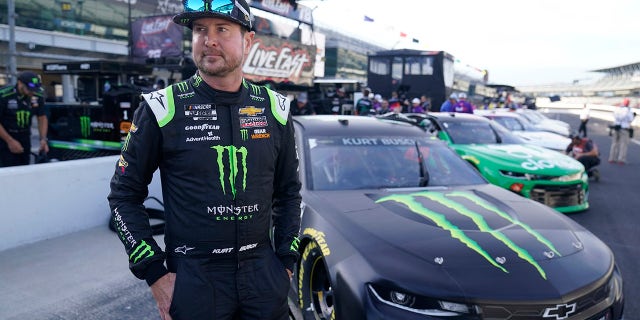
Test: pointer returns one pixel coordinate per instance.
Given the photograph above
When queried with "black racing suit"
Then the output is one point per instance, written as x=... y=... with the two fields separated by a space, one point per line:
x=16 y=112
x=228 y=168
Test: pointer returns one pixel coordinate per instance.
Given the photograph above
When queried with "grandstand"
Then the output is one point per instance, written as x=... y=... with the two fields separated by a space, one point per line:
x=617 y=83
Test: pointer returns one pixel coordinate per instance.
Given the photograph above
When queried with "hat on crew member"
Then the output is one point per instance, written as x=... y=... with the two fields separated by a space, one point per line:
x=453 y=96
x=415 y=100
x=237 y=11
x=30 y=80
x=302 y=97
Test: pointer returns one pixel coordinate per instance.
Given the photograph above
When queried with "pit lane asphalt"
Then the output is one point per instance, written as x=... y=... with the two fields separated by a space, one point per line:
x=84 y=275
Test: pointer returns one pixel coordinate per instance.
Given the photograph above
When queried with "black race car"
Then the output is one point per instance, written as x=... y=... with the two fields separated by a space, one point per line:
x=395 y=225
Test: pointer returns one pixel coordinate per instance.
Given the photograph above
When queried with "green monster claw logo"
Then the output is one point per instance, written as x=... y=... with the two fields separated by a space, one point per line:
x=85 y=126
x=232 y=155
x=294 y=244
x=182 y=86
x=244 y=134
x=22 y=118
x=410 y=200
x=143 y=250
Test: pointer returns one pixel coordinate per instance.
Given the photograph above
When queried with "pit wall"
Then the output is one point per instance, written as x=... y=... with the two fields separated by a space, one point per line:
x=39 y=202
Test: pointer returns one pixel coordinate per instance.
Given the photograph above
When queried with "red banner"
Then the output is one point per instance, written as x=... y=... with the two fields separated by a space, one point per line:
x=278 y=60
x=156 y=37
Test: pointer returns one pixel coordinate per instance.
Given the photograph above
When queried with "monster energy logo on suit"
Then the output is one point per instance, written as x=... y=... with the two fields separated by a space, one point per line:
x=233 y=160
x=244 y=134
x=143 y=250
x=85 y=126
x=22 y=118
x=182 y=86
x=472 y=212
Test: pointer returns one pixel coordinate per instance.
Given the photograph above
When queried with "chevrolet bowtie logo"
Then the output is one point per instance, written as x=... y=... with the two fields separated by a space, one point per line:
x=251 y=111
x=559 y=312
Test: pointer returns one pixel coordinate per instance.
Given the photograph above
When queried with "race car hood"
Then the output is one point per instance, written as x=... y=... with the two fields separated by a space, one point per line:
x=544 y=139
x=462 y=237
x=520 y=158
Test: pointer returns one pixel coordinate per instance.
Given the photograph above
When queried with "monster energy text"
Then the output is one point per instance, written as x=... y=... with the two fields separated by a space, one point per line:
x=22 y=118
x=233 y=160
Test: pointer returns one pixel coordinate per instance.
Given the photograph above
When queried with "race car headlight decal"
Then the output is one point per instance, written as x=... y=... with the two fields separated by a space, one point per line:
x=418 y=304
x=402 y=298
x=570 y=177
x=525 y=176
x=532 y=177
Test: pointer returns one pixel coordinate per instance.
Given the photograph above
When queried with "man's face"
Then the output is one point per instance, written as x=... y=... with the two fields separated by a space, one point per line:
x=23 y=90
x=219 y=46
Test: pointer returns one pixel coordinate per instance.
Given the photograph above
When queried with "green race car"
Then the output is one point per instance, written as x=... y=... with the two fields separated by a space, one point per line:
x=504 y=159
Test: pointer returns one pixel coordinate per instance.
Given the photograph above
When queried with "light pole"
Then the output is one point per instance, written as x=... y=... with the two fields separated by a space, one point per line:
x=13 y=68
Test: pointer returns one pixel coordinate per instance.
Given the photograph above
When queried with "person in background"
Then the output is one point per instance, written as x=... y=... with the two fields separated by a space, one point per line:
x=226 y=152
x=622 y=131
x=376 y=104
x=586 y=152
x=584 y=118
x=18 y=103
x=301 y=105
x=448 y=105
x=384 y=106
x=463 y=105
x=364 y=104
x=338 y=99
x=395 y=105
x=425 y=102
x=416 y=106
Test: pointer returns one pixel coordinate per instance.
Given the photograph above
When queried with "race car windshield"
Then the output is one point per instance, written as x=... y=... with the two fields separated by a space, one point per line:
x=350 y=163
x=480 y=132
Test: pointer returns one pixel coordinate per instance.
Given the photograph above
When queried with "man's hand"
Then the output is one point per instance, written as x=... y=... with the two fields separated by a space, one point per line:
x=290 y=274
x=15 y=146
x=44 y=145
x=162 y=291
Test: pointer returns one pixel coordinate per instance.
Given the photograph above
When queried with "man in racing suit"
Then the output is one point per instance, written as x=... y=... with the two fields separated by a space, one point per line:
x=228 y=166
x=18 y=103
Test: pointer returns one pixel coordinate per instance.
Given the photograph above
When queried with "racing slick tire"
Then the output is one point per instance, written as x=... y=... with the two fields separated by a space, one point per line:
x=315 y=291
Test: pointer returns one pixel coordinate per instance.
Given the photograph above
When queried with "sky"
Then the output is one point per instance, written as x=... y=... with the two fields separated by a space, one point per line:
x=519 y=42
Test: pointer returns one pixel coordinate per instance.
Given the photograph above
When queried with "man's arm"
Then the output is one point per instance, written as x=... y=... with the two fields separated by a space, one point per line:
x=286 y=201
x=129 y=188
x=43 y=127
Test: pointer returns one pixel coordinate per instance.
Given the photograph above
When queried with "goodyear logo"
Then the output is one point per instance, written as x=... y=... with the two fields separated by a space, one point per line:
x=413 y=203
x=22 y=118
x=231 y=161
x=250 y=111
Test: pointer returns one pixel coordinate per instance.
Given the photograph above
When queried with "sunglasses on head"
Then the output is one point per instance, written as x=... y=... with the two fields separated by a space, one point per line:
x=219 y=6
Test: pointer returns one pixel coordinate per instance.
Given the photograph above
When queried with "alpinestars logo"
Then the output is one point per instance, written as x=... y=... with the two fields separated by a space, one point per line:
x=413 y=202
x=231 y=160
x=22 y=118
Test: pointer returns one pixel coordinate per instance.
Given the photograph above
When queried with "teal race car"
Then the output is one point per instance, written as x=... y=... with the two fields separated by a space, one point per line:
x=504 y=159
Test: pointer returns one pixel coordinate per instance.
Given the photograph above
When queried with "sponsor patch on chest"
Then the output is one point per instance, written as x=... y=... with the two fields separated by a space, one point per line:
x=201 y=111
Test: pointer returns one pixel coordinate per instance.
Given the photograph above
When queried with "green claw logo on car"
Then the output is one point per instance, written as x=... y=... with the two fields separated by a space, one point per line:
x=446 y=199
